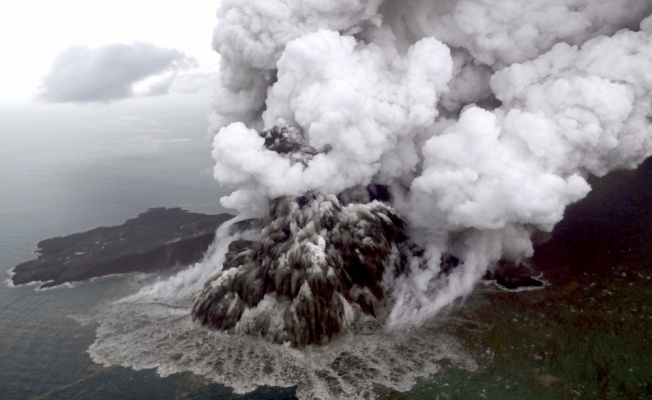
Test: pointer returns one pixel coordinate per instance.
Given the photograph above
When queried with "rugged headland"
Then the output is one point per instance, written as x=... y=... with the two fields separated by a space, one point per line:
x=157 y=239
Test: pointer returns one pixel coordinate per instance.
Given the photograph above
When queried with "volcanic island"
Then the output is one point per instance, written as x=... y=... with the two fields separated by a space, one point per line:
x=158 y=239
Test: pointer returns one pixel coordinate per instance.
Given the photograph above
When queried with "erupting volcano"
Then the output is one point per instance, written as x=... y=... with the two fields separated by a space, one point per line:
x=378 y=140
x=385 y=157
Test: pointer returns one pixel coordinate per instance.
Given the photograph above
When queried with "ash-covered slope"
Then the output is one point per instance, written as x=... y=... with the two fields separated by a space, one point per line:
x=316 y=270
x=157 y=239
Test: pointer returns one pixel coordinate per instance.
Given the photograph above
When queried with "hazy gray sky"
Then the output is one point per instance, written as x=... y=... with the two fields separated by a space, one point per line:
x=35 y=33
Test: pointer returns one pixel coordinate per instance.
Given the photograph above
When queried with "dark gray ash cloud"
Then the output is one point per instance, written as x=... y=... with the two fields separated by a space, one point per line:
x=83 y=74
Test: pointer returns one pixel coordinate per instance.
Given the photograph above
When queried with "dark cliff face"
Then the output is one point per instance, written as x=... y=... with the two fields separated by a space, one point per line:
x=158 y=239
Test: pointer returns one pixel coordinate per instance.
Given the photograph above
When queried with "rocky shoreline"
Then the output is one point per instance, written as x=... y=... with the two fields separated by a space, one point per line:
x=156 y=240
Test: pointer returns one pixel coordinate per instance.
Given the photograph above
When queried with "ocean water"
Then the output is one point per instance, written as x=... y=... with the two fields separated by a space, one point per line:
x=70 y=168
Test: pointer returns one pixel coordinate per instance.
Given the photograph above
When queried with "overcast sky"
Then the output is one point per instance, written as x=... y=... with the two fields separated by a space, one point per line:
x=104 y=50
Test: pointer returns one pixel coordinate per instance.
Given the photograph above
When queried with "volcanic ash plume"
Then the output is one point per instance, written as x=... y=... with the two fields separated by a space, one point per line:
x=397 y=151
x=316 y=270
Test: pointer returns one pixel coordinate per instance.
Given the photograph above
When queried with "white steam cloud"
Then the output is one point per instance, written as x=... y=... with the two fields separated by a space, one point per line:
x=483 y=118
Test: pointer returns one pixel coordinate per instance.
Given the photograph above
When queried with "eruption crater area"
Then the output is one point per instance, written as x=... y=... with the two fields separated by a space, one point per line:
x=316 y=270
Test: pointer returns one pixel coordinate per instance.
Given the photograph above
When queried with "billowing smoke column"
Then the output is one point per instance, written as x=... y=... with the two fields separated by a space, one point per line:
x=477 y=120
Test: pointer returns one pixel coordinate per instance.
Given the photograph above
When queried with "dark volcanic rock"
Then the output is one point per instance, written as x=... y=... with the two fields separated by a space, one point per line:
x=515 y=276
x=512 y=282
x=316 y=270
x=158 y=239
